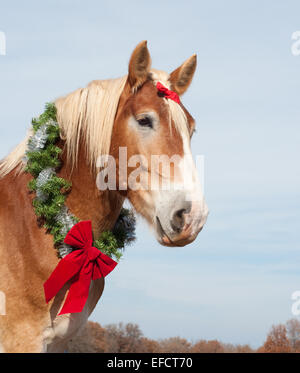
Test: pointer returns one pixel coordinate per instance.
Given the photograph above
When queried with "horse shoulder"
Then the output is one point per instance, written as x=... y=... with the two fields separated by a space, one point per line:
x=27 y=259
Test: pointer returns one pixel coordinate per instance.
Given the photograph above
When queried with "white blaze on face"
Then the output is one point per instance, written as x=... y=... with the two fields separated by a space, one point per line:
x=192 y=184
x=187 y=179
x=193 y=189
x=185 y=192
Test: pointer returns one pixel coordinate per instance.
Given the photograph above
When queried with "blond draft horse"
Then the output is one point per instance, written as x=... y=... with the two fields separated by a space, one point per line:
x=99 y=119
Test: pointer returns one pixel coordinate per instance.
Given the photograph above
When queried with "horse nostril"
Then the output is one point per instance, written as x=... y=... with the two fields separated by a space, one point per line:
x=177 y=221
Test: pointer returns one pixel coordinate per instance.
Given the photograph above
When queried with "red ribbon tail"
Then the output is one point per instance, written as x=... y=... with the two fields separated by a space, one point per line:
x=78 y=294
x=64 y=271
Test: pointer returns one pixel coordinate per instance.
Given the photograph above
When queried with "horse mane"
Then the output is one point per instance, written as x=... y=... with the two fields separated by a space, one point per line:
x=15 y=158
x=88 y=114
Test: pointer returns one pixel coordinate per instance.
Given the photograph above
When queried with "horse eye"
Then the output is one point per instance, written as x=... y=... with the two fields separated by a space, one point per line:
x=145 y=122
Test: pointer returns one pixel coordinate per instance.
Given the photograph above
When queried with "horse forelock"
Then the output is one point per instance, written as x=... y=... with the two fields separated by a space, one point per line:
x=176 y=114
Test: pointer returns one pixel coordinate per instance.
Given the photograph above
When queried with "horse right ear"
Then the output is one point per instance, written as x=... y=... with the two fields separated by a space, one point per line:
x=139 y=65
x=182 y=77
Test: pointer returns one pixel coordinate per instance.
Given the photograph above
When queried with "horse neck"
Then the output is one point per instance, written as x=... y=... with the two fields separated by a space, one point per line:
x=85 y=201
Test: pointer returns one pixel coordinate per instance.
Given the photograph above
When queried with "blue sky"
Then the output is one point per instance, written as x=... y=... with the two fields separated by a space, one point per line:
x=237 y=278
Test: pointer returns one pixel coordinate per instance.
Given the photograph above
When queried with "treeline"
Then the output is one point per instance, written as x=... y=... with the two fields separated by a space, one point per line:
x=120 y=338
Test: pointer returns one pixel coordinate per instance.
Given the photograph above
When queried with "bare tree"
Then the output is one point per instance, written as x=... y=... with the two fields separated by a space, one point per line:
x=277 y=340
x=149 y=345
x=123 y=338
x=203 y=346
x=175 y=345
x=91 y=339
x=293 y=334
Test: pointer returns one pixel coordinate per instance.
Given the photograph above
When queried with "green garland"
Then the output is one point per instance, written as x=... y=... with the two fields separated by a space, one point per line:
x=43 y=160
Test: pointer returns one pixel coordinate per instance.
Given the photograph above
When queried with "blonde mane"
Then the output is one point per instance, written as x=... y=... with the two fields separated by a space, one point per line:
x=89 y=113
x=15 y=158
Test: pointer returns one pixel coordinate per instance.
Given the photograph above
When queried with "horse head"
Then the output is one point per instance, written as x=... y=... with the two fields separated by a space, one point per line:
x=156 y=130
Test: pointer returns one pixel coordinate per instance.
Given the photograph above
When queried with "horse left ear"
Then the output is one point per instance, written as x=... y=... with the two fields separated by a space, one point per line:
x=139 y=65
x=182 y=77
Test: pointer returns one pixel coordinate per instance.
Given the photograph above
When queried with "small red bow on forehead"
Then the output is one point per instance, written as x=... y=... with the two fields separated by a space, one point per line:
x=168 y=93
x=80 y=267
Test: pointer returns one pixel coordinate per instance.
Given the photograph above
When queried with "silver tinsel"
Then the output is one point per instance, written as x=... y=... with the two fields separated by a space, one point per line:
x=64 y=250
x=41 y=180
x=38 y=140
x=66 y=219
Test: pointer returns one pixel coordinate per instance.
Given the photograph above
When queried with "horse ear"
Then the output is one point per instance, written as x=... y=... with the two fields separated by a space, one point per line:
x=139 y=65
x=182 y=77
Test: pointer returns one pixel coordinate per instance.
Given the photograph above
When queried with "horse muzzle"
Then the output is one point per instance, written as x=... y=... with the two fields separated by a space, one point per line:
x=178 y=221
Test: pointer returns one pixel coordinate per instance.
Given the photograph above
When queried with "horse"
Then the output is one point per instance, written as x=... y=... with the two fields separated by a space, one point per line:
x=101 y=118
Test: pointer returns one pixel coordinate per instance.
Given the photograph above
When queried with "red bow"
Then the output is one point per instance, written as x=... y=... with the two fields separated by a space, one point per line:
x=80 y=266
x=168 y=93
